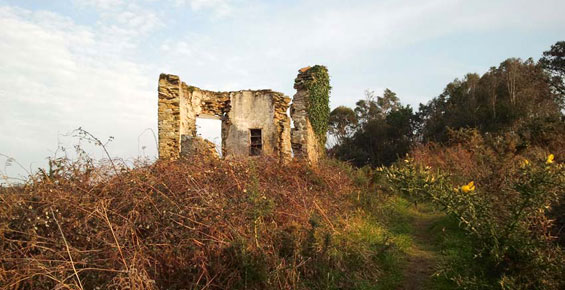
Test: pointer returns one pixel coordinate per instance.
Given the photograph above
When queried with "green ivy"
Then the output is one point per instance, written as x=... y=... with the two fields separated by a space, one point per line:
x=319 y=100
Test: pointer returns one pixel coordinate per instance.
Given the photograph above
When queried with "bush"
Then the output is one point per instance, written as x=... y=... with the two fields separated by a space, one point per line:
x=176 y=225
x=501 y=200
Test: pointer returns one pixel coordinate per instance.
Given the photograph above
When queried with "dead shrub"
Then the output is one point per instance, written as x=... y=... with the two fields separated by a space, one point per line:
x=168 y=225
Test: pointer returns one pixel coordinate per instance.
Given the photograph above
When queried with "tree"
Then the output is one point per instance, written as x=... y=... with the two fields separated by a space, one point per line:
x=553 y=61
x=366 y=109
x=502 y=99
x=374 y=107
x=380 y=141
x=384 y=131
x=388 y=102
x=343 y=121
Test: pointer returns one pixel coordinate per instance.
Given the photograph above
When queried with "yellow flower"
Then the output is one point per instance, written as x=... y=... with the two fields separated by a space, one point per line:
x=468 y=187
x=525 y=163
x=550 y=158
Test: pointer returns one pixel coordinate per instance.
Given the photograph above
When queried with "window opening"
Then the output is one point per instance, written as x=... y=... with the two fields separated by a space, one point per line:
x=256 y=143
x=210 y=128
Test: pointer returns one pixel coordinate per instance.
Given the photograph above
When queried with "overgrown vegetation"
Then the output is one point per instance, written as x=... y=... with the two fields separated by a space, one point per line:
x=476 y=201
x=318 y=87
x=503 y=202
x=382 y=129
x=488 y=153
x=522 y=97
x=192 y=224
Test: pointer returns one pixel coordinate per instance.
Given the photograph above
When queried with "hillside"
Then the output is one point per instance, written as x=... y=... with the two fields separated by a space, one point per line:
x=183 y=225
x=438 y=199
x=256 y=224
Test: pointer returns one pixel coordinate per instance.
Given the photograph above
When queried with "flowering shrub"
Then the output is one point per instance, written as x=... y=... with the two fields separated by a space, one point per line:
x=414 y=181
x=508 y=223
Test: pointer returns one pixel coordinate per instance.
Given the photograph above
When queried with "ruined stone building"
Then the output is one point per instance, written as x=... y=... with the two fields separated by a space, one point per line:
x=253 y=122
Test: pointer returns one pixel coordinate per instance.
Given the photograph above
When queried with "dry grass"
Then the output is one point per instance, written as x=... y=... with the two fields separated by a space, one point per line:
x=172 y=225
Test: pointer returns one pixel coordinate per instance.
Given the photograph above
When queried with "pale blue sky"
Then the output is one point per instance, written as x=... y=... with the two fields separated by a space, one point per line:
x=95 y=63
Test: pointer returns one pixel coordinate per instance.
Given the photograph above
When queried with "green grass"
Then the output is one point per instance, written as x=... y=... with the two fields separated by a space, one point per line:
x=387 y=225
x=377 y=240
x=397 y=220
x=454 y=249
x=457 y=251
x=401 y=236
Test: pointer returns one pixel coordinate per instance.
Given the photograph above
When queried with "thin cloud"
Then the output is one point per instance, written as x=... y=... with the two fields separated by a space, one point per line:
x=58 y=73
x=219 y=8
x=60 y=76
x=100 y=4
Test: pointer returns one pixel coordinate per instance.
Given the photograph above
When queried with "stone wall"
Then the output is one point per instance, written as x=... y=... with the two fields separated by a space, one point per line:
x=282 y=127
x=169 y=119
x=240 y=111
x=197 y=146
x=254 y=110
x=305 y=144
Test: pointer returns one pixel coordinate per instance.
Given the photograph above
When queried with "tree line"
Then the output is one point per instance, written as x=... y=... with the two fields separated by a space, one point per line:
x=523 y=98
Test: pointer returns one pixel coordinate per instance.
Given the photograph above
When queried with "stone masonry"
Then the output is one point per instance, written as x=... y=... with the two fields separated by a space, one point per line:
x=254 y=122
x=305 y=144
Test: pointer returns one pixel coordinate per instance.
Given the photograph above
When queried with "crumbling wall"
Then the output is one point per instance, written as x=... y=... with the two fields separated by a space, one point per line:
x=282 y=127
x=197 y=146
x=200 y=103
x=305 y=143
x=169 y=116
x=255 y=110
x=240 y=111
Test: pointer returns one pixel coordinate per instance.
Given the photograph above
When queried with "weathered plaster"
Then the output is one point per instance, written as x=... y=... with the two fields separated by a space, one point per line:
x=239 y=111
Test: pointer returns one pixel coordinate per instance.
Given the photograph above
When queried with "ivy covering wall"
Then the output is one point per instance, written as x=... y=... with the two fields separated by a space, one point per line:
x=319 y=88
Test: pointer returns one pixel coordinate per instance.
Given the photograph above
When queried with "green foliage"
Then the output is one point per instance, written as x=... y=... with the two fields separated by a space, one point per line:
x=518 y=96
x=553 y=61
x=342 y=123
x=508 y=222
x=414 y=182
x=381 y=137
x=502 y=99
x=262 y=205
x=192 y=88
x=388 y=102
x=376 y=107
x=319 y=100
x=250 y=265
x=459 y=267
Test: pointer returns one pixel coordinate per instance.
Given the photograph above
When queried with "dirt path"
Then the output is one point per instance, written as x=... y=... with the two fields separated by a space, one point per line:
x=422 y=258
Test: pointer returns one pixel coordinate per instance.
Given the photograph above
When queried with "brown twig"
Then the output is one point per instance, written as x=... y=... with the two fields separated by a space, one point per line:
x=105 y=216
x=67 y=247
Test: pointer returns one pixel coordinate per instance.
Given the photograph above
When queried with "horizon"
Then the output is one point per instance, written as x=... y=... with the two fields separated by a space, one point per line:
x=95 y=64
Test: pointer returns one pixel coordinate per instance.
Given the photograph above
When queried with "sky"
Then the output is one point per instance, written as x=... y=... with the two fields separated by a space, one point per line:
x=95 y=64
